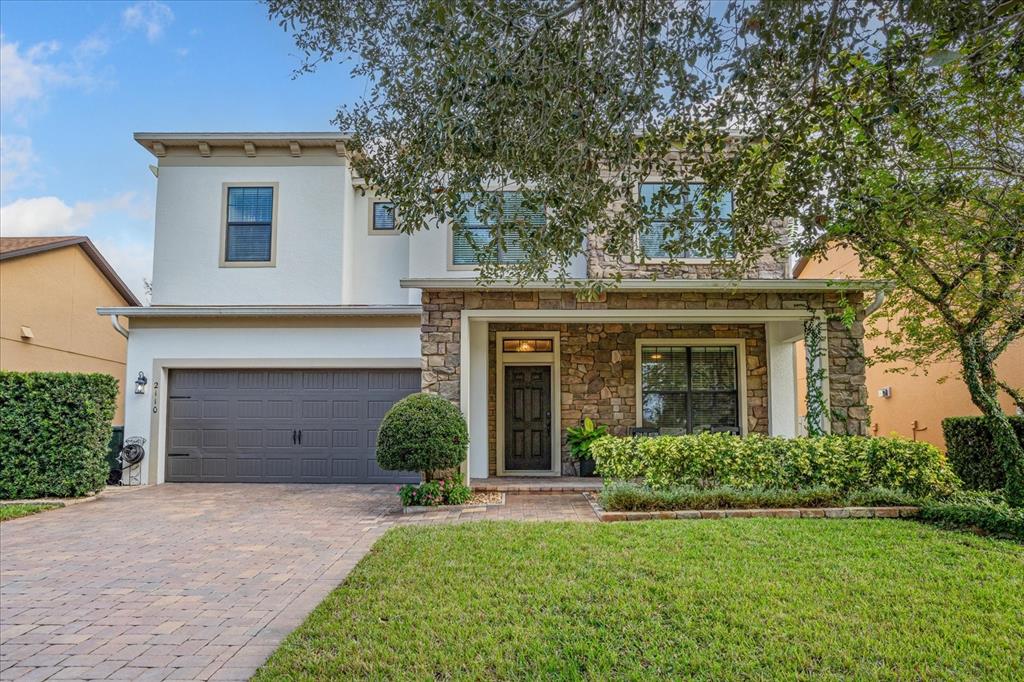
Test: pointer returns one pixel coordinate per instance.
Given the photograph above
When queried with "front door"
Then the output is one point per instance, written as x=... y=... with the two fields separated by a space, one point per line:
x=527 y=418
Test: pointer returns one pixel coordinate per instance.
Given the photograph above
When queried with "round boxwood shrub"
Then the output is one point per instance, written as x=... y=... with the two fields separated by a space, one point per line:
x=422 y=432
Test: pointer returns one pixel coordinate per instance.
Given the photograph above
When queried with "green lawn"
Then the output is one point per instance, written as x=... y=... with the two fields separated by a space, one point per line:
x=14 y=511
x=709 y=600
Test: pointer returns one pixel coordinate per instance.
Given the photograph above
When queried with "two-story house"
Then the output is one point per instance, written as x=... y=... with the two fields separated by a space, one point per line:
x=288 y=315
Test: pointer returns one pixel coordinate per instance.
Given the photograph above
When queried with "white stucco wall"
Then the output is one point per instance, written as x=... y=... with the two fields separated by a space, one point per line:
x=156 y=350
x=325 y=253
x=374 y=262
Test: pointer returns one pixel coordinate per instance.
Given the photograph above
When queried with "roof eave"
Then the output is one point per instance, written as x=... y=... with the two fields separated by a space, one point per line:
x=186 y=311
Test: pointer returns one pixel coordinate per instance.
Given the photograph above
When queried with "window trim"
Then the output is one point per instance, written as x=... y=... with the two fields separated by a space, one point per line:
x=741 y=371
x=680 y=261
x=369 y=218
x=224 y=263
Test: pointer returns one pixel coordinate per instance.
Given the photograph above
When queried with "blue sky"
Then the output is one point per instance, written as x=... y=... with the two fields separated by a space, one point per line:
x=78 y=78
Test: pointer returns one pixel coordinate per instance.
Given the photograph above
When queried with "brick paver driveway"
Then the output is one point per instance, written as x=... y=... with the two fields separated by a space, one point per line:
x=180 y=581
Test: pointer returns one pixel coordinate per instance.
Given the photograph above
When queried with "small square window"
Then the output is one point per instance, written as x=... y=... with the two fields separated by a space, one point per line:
x=383 y=219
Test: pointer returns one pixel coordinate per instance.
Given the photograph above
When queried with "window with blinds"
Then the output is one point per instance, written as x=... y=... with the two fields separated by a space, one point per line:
x=474 y=230
x=250 y=223
x=670 y=202
x=383 y=216
x=690 y=389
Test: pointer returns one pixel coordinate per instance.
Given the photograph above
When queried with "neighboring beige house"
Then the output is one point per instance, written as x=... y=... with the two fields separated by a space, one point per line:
x=911 y=404
x=50 y=288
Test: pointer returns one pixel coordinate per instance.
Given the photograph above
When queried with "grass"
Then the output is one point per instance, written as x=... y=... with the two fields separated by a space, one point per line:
x=724 y=600
x=16 y=511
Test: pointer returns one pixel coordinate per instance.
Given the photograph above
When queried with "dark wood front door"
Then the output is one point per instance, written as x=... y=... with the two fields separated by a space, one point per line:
x=527 y=418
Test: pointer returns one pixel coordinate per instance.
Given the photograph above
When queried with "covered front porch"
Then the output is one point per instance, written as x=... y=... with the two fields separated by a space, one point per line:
x=527 y=378
x=524 y=365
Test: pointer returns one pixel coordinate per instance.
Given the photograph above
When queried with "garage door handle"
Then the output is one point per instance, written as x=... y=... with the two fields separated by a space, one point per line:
x=300 y=436
x=295 y=436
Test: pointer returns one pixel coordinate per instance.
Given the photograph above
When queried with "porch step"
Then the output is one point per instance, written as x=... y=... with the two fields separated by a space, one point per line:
x=536 y=485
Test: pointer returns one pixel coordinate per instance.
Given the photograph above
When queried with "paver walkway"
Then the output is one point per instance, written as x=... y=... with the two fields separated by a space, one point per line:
x=192 y=581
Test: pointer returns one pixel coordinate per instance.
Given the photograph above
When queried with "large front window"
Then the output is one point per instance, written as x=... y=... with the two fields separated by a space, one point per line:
x=474 y=230
x=665 y=202
x=690 y=389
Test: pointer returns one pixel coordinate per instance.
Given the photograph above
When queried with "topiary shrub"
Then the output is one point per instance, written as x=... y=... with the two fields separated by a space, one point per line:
x=54 y=430
x=972 y=454
x=718 y=459
x=422 y=432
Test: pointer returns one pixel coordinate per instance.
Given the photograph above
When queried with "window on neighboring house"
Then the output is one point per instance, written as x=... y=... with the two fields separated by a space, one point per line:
x=249 y=228
x=383 y=217
x=476 y=229
x=690 y=389
x=653 y=239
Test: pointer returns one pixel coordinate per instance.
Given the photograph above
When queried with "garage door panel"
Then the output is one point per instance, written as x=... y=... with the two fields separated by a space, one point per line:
x=242 y=425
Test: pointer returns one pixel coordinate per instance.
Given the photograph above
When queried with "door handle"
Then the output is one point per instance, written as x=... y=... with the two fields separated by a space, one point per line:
x=300 y=436
x=295 y=436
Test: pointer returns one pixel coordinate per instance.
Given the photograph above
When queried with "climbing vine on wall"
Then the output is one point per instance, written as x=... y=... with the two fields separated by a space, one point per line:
x=817 y=408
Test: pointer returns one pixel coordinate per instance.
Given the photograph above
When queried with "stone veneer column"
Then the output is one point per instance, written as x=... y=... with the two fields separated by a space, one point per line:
x=440 y=333
x=848 y=393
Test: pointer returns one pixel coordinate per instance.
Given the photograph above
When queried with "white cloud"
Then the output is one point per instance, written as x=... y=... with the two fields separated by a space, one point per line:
x=52 y=216
x=17 y=161
x=150 y=16
x=25 y=75
x=29 y=75
x=44 y=216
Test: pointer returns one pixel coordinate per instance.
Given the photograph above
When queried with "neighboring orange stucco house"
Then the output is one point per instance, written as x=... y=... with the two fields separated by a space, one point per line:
x=50 y=288
x=916 y=399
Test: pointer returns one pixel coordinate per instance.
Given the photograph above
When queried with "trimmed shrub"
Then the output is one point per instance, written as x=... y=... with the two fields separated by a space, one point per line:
x=626 y=496
x=976 y=511
x=972 y=454
x=422 y=432
x=709 y=460
x=54 y=430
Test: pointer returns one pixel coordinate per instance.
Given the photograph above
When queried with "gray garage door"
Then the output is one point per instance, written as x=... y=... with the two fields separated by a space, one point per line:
x=281 y=426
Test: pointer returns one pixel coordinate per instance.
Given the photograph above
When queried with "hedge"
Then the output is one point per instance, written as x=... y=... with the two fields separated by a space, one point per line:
x=626 y=496
x=54 y=430
x=971 y=452
x=716 y=459
x=976 y=511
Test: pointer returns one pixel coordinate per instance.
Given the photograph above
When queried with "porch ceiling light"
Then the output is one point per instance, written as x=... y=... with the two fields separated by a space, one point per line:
x=140 y=384
x=526 y=346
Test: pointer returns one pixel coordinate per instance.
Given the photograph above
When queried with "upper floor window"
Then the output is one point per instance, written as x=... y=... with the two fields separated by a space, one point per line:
x=249 y=225
x=475 y=230
x=382 y=217
x=670 y=201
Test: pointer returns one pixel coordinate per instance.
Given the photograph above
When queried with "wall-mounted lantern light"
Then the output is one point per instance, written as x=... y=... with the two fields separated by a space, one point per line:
x=140 y=384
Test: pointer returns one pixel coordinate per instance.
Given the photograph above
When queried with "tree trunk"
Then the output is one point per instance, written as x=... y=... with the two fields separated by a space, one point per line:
x=979 y=375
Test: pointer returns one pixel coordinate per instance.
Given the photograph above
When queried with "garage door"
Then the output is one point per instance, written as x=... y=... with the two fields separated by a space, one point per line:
x=281 y=426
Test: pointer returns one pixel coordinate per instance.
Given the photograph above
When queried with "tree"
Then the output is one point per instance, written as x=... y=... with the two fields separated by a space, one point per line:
x=894 y=127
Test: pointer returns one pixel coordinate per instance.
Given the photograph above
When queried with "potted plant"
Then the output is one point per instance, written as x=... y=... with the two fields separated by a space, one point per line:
x=579 y=439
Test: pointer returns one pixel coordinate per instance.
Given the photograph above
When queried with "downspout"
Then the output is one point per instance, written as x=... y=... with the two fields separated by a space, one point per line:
x=116 y=324
x=875 y=304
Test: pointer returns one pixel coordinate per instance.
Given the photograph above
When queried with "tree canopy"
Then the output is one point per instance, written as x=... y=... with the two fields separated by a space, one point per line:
x=895 y=127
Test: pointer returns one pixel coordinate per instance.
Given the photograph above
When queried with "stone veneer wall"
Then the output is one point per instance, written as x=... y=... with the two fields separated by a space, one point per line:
x=598 y=372
x=440 y=333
